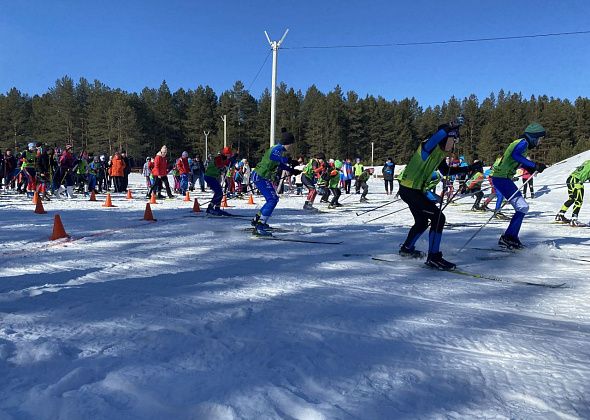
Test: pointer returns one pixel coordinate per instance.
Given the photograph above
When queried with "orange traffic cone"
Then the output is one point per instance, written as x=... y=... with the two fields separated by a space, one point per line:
x=39 y=206
x=36 y=197
x=187 y=197
x=58 y=229
x=129 y=195
x=224 y=202
x=147 y=215
x=108 y=202
x=92 y=196
x=196 y=207
x=251 y=199
x=153 y=199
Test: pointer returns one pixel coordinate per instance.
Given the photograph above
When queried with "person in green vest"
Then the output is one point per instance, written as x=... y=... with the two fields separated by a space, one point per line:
x=334 y=184
x=362 y=180
x=504 y=171
x=358 y=169
x=473 y=184
x=28 y=159
x=273 y=160
x=414 y=183
x=575 y=191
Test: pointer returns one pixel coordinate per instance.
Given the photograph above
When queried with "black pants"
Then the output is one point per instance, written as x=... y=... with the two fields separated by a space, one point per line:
x=157 y=187
x=118 y=181
x=528 y=184
x=336 y=192
x=364 y=187
x=389 y=186
x=423 y=211
x=347 y=183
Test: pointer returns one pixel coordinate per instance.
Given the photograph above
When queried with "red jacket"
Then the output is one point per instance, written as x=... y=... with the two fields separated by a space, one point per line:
x=183 y=166
x=160 y=165
x=118 y=166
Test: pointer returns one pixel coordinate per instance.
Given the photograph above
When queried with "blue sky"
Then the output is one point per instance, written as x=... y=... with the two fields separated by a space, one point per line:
x=133 y=44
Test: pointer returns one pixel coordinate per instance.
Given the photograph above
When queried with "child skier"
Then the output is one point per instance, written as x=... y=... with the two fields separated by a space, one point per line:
x=262 y=176
x=415 y=178
x=362 y=183
x=515 y=156
x=215 y=170
x=334 y=184
x=473 y=184
x=575 y=190
x=312 y=171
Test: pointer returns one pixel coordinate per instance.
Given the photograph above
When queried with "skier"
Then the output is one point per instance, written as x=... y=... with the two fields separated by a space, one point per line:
x=347 y=175
x=334 y=184
x=215 y=170
x=388 y=171
x=312 y=171
x=160 y=173
x=515 y=156
x=358 y=169
x=575 y=191
x=183 y=170
x=362 y=183
x=527 y=182
x=473 y=184
x=28 y=159
x=262 y=175
x=429 y=156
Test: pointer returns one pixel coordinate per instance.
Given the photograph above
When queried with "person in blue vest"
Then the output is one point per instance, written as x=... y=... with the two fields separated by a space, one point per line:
x=274 y=159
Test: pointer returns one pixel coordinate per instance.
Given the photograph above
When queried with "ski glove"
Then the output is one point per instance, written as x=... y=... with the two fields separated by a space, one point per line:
x=540 y=167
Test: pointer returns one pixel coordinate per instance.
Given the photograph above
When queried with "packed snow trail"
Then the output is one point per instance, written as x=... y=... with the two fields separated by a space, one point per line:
x=188 y=317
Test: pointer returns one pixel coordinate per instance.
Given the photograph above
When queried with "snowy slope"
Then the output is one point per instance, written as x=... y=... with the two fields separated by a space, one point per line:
x=192 y=318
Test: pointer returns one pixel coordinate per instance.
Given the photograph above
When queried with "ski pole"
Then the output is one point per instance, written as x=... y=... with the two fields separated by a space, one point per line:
x=493 y=215
x=378 y=207
x=385 y=215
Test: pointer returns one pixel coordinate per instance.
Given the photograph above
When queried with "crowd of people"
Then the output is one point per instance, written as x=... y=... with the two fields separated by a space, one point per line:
x=433 y=167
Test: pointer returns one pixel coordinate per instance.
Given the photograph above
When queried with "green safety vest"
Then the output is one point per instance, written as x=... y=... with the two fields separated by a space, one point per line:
x=507 y=166
x=82 y=166
x=334 y=179
x=364 y=176
x=308 y=170
x=267 y=168
x=433 y=182
x=582 y=172
x=29 y=161
x=418 y=172
x=358 y=169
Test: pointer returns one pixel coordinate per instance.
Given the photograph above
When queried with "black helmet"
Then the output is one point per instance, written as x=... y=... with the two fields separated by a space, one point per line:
x=321 y=156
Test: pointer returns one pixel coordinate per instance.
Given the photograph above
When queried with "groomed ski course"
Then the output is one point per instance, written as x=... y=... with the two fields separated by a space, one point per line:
x=190 y=318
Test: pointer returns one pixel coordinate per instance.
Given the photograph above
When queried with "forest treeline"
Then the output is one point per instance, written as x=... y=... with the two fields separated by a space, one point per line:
x=100 y=119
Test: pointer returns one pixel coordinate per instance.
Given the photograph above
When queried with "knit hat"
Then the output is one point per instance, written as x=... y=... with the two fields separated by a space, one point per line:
x=164 y=149
x=535 y=130
x=184 y=154
x=287 y=138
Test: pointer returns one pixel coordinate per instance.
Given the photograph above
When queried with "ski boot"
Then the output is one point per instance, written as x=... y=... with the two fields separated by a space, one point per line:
x=215 y=212
x=501 y=216
x=510 y=242
x=560 y=218
x=574 y=222
x=437 y=261
x=256 y=221
x=410 y=252
x=262 y=229
x=309 y=206
x=364 y=200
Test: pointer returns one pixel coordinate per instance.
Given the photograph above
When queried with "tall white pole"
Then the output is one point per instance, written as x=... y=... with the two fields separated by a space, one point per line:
x=224 y=118
x=206 y=133
x=372 y=154
x=273 y=104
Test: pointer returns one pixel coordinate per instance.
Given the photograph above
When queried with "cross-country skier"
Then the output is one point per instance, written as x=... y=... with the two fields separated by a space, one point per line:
x=215 y=170
x=473 y=184
x=413 y=183
x=274 y=159
x=575 y=191
x=504 y=171
x=314 y=168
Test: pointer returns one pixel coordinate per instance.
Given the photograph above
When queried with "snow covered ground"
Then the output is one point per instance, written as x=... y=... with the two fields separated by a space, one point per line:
x=192 y=318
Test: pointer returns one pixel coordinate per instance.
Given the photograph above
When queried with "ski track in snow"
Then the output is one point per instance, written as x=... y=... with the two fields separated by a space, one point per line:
x=189 y=318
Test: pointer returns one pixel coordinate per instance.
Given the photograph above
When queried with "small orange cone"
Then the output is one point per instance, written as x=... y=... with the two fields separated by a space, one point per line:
x=224 y=202
x=92 y=196
x=187 y=197
x=147 y=215
x=153 y=199
x=129 y=195
x=58 y=229
x=108 y=202
x=39 y=206
x=36 y=198
x=196 y=207
x=251 y=199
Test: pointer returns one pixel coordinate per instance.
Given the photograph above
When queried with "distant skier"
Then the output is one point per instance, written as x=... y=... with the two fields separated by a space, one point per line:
x=215 y=170
x=473 y=184
x=416 y=177
x=361 y=182
x=273 y=160
x=575 y=190
x=504 y=171
x=314 y=168
x=388 y=171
